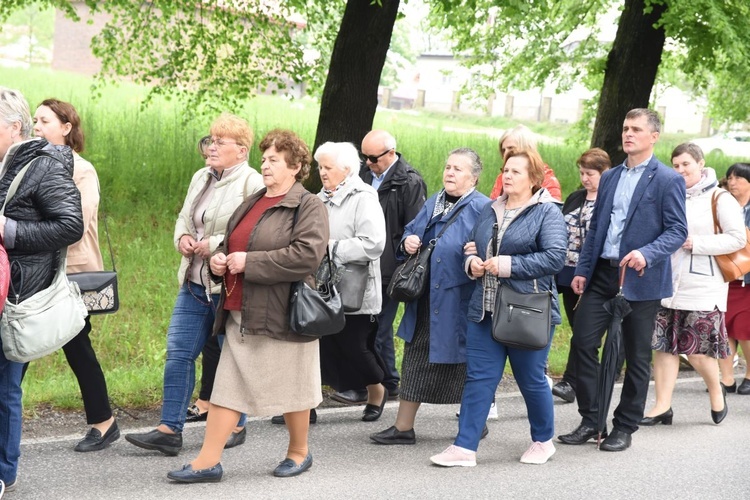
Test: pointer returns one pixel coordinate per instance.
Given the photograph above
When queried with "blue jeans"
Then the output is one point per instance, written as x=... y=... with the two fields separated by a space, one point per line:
x=191 y=324
x=485 y=361
x=10 y=417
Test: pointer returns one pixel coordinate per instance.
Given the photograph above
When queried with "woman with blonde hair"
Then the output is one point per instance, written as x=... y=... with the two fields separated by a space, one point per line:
x=214 y=193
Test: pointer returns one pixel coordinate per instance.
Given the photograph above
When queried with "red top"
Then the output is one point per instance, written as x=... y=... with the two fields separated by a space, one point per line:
x=238 y=242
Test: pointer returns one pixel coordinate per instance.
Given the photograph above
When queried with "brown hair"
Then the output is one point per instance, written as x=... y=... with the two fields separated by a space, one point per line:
x=535 y=167
x=294 y=149
x=594 y=159
x=651 y=116
x=66 y=113
x=688 y=147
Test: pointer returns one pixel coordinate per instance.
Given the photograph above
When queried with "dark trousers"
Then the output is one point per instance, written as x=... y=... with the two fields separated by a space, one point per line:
x=384 y=341
x=348 y=360
x=592 y=320
x=570 y=299
x=211 y=353
x=82 y=360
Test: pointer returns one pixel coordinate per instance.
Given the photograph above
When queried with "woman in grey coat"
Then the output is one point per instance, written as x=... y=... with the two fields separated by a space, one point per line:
x=348 y=359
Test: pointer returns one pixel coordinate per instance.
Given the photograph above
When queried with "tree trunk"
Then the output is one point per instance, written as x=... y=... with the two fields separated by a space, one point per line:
x=630 y=73
x=350 y=96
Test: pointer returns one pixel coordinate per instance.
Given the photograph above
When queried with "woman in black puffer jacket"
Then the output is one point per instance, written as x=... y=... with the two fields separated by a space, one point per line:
x=42 y=218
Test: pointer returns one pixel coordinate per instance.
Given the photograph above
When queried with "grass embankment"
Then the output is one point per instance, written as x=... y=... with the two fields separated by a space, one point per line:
x=145 y=159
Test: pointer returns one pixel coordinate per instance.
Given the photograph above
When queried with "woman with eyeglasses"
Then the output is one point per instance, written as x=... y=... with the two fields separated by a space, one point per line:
x=214 y=193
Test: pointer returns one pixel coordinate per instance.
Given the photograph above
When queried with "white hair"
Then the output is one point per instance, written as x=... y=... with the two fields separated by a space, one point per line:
x=14 y=108
x=343 y=154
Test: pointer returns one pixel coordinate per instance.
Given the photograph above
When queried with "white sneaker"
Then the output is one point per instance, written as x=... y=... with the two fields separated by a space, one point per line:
x=550 y=382
x=538 y=453
x=492 y=415
x=455 y=456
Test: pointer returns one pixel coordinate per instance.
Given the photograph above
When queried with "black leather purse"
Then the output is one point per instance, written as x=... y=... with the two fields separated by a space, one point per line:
x=521 y=320
x=316 y=312
x=409 y=281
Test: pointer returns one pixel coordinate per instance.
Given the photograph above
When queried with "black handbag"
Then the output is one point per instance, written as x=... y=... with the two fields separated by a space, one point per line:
x=351 y=281
x=316 y=312
x=521 y=320
x=409 y=281
x=99 y=288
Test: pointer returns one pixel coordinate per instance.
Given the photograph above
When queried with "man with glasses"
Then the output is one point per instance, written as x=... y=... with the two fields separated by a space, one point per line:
x=402 y=192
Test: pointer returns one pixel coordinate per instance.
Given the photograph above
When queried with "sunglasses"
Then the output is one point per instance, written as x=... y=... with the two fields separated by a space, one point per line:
x=374 y=159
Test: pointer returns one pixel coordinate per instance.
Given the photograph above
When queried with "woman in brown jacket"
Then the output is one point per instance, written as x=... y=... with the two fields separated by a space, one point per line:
x=265 y=368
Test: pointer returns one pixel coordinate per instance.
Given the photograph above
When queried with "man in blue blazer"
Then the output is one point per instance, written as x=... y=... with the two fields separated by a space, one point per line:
x=638 y=222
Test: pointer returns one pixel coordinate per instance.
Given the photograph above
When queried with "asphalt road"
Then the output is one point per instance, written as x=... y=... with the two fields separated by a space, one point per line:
x=693 y=458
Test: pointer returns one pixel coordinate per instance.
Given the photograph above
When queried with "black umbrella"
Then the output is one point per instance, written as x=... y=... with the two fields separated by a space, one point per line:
x=618 y=307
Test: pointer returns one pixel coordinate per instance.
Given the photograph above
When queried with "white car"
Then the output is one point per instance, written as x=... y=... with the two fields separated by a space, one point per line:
x=736 y=144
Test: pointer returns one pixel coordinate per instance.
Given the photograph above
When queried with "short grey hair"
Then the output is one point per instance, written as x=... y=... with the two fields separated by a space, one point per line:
x=343 y=154
x=476 y=161
x=14 y=108
x=652 y=116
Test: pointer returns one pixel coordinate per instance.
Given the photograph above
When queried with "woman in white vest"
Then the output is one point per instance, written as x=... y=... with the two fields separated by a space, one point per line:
x=214 y=193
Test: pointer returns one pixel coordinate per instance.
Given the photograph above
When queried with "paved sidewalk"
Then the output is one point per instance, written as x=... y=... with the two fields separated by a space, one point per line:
x=691 y=459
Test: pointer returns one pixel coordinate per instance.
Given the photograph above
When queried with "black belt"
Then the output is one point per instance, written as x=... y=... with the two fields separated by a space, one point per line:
x=609 y=262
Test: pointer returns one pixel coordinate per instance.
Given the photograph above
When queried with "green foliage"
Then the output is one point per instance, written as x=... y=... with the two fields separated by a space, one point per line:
x=518 y=44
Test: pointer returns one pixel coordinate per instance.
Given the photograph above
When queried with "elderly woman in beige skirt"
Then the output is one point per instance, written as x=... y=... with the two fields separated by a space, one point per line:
x=265 y=368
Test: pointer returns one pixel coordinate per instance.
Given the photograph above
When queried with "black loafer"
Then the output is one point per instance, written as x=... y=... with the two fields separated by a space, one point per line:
x=236 y=438
x=581 y=435
x=194 y=414
x=485 y=432
x=744 y=387
x=351 y=397
x=394 y=436
x=94 y=441
x=287 y=467
x=279 y=419
x=188 y=475
x=371 y=412
x=169 y=444
x=564 y=391
x=617 y=441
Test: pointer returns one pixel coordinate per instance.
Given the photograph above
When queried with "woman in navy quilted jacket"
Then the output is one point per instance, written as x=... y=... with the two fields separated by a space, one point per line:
x=531 y=245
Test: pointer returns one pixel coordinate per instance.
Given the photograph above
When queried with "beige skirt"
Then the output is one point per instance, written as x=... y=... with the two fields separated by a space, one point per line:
x=261 y=376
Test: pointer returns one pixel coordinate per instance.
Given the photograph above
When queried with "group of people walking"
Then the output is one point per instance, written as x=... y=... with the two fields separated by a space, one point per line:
x=245 y=237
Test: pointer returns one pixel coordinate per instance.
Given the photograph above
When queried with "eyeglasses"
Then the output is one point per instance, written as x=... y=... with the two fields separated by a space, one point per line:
x=374 y=159
x=220 y=142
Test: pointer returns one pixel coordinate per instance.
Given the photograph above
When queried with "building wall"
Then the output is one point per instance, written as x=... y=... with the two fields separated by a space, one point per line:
x=71 y=49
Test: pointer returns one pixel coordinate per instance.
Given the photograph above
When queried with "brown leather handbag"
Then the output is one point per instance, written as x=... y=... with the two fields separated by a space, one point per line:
x=736 y=264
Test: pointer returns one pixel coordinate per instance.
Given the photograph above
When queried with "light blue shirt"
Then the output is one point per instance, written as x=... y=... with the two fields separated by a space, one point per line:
x=377 y=180
x=623 y=194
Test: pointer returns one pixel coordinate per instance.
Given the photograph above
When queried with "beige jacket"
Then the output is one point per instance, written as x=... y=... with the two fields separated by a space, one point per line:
x=84 y=256
x=229 y=192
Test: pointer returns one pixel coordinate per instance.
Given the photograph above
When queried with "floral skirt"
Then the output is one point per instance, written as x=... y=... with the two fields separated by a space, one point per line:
x=691 y=332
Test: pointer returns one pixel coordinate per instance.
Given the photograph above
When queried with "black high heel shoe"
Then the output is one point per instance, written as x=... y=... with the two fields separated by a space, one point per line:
x=718 y=416
x=665 y=418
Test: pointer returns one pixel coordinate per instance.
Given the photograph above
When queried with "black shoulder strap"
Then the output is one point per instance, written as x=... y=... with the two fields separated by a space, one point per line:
x=451 y=220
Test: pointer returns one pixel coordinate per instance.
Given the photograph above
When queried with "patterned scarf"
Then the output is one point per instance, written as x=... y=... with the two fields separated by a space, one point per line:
x=444 y=207
x=330 y=192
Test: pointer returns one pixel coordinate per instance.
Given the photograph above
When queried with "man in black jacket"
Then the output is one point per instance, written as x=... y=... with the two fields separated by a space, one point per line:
x=402 y=192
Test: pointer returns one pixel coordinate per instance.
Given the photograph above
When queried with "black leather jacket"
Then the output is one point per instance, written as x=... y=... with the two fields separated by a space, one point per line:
x=43 y=217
